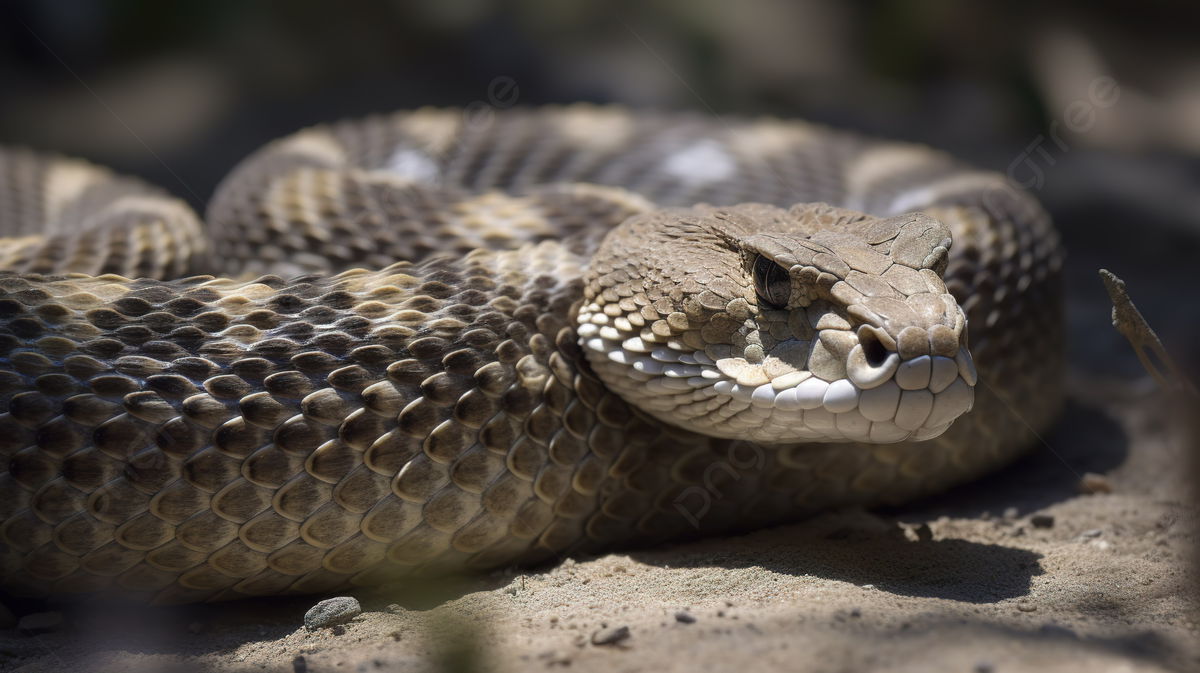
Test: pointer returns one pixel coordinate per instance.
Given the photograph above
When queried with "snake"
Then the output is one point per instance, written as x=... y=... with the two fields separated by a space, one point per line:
x=430 y=342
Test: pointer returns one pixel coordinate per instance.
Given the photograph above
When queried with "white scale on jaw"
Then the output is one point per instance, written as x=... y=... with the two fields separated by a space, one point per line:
x=889 y=401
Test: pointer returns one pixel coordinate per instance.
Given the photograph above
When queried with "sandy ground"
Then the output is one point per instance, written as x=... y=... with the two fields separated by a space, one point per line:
x=963 y=582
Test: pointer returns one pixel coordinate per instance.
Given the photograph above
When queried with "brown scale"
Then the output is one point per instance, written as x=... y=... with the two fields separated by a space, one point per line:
x=199 y=439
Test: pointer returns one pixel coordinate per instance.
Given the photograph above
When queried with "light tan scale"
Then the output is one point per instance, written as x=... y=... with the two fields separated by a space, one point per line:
x=429 y=347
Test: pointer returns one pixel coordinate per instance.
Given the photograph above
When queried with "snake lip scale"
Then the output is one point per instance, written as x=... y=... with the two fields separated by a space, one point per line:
x=404 y=346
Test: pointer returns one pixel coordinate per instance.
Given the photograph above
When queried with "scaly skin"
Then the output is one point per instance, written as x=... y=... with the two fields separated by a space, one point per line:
x=210 y=438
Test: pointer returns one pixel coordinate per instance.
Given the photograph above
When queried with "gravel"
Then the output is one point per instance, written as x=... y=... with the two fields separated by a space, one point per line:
x=610 y=636
x=684 y=618
x=332 y=612
x=1042 y=521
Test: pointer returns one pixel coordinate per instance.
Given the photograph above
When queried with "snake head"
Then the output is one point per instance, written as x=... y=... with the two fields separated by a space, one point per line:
x=781 y=326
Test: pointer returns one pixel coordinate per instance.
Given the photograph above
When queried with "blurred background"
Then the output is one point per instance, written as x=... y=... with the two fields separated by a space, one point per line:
x=177 y=92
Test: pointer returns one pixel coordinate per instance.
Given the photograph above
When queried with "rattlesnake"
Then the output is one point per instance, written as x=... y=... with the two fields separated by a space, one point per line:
x=475 y=345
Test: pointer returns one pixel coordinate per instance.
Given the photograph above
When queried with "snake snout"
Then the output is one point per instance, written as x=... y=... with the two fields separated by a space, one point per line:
x=918 y=383
x=874 y=360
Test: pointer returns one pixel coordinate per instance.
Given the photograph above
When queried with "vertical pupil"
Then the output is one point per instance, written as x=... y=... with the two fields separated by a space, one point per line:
x=772 y=282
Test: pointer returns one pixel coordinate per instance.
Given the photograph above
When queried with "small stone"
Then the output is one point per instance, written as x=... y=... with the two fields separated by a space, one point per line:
x=855 y=612
x=684 y=618
x=394 y=609
x=1091 y=483
x=338 y=630
x=1056 y=631
x=332 y=612
x=1094 y=532
x=610 y=636
x=299 y=665
x=195 y=627
x=1026 y=607
x=1042 y=521
x=40 y=621
x=1011 y=514
x=396 y=635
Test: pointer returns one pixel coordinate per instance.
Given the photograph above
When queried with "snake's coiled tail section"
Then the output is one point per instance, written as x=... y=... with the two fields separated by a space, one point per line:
x=60 y=215
x=325 y=426
x=208 y=438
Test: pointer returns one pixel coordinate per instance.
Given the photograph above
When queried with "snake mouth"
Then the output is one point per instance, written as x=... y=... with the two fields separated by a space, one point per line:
x=889 y=392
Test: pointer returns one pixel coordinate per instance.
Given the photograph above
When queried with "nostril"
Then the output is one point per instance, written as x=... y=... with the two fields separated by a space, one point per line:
x=872 y=347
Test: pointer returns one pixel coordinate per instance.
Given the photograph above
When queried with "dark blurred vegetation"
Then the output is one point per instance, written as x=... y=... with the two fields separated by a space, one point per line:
x=178 y=92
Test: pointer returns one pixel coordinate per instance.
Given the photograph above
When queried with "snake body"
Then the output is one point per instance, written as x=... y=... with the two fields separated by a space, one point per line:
x=428 y=345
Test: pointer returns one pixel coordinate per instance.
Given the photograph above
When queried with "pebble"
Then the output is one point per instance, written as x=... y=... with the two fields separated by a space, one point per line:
x=610 y=636
x=684 y=618
x=1094 y=532
x=1011 y=514
x=1091 y=483
x=1054 y=630
x=40 y=621
x=1042 y=521
x=332 y=612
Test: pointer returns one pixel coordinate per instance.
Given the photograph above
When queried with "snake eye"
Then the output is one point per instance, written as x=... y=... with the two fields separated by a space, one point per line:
x=772 y=282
